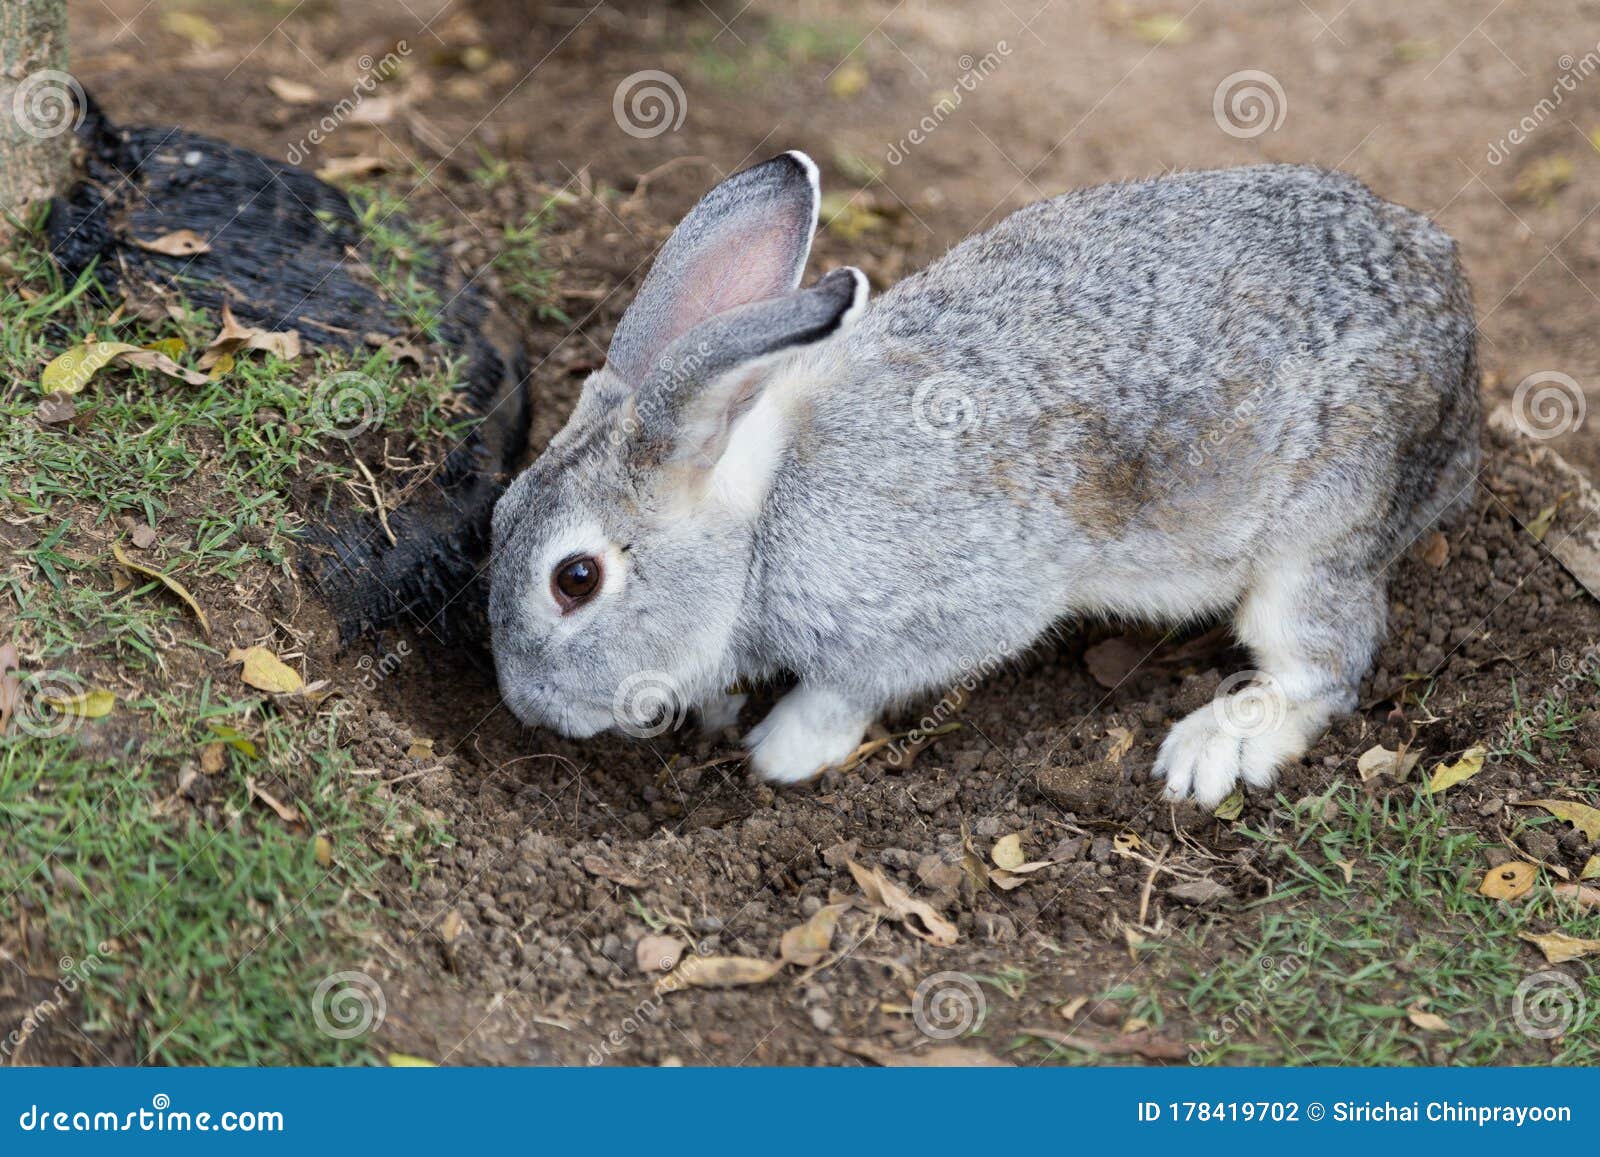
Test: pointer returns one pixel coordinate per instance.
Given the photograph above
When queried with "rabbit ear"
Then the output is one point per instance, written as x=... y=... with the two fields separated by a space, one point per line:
x=746 y=241
x=701 y=404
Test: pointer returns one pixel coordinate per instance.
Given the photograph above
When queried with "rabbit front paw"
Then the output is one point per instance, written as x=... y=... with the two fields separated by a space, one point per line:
x=809 y=730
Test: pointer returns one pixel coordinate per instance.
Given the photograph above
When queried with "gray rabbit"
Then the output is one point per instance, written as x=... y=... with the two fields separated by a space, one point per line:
x=1242 y=392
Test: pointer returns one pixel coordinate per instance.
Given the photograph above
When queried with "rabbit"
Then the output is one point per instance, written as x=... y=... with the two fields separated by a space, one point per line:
x=1238 y=393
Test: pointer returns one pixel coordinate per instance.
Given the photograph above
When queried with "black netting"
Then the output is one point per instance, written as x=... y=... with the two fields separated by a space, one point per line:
x=287 y=252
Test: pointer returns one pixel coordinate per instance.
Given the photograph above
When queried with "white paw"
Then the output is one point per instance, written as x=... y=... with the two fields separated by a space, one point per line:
x=720 y=713
x=808 y=731
x=1205 y=757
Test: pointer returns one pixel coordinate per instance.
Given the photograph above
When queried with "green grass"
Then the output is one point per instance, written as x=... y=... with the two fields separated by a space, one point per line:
x=198 y=922
x=1335 y=967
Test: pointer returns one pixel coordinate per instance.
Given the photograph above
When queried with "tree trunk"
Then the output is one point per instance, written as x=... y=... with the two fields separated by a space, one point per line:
x=39 y=105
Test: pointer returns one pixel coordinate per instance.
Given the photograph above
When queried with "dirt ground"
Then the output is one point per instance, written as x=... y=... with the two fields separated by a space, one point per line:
x=520 y=945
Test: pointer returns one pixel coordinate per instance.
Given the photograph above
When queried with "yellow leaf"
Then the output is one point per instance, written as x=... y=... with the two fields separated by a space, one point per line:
x=1231 y=808
x=848 y=80
x=808 y=943
x=1540 y=526
x=222 y=366
x=95 y=704
x=420 y=749
x=1007 y=852
x=719 y=972
x=264 y=670
x=1581 y=816
x=70 y=372
x=1508 y=881
x=1446 y=776
x=193 y=27
x=165 y=580
x=1162 y=28
x=323 y=850
x=407 y=1061
x=1558 y=947
x=173 y=347
x=1591 y=870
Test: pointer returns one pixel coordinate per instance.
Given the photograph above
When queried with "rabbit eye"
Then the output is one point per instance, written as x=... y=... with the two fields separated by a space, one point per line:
x=575 y=581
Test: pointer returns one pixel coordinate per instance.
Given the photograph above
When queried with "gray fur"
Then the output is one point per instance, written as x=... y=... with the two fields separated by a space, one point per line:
x=1241 y=391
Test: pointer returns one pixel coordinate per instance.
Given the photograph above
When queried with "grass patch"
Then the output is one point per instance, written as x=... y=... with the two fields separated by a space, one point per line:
x=1337 y=967
x=193 y=921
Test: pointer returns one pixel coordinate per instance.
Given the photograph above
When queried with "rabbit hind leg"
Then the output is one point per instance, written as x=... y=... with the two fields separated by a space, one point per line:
x=1312 y=626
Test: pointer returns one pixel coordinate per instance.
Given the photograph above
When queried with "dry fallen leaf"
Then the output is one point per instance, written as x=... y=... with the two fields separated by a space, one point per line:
x=420 y=749
x=1446 y=776
x=1508 y=881
x=286 y=813
x=233 y=337
x=1121 y=743
x=1112 y=660
x=1380 y=760
x=806 y=944
x=1427 y=1021
x=1558 y=947
x=936 y=1057
x=451 y=927
x=343 y=168
x=1007 y=852
x=719 y=972
x=265 y=671
x=1583 y=895
x=658 y=953
x=291 y=91
x=596 y=866
x=142 y=536
x=1436 y=550
x=10 y=685
x=1591 y=870
x=178 y=243
x=165 y=580
x=213 y=757
x=1152 y=1048
x=1581 y=816
x=920 y=918
x=55 y=409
